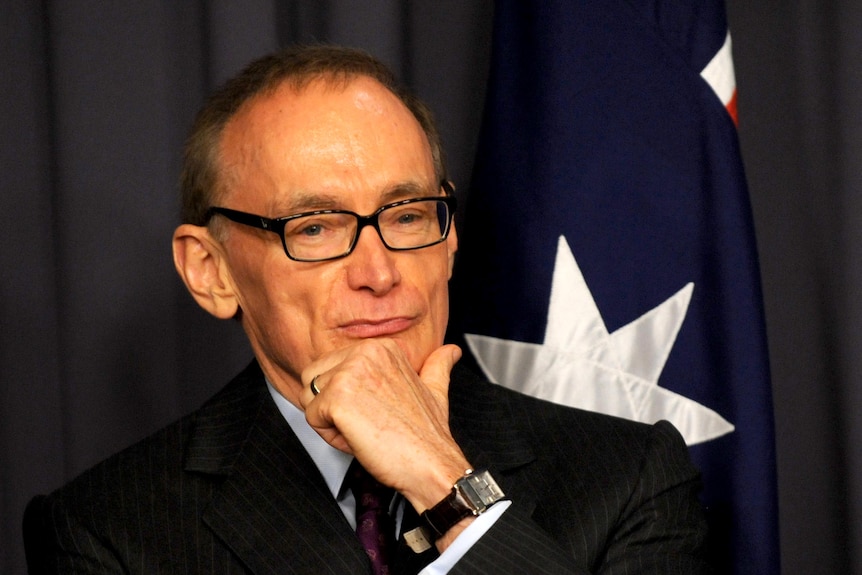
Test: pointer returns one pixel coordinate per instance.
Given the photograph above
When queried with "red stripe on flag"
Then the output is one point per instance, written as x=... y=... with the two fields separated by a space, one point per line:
x=731 y=109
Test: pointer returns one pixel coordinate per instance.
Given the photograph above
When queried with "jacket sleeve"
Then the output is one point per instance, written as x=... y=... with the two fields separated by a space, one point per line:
x=56 y=542
x=658 y=525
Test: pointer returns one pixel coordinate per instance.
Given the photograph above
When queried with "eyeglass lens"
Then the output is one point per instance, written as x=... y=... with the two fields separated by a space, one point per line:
x=404 y=226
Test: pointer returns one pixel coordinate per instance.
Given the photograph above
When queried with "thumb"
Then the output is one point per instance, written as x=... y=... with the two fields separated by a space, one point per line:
x=436 y=369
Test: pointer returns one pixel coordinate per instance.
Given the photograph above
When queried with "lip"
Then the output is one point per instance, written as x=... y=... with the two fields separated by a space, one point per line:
x=364 y=328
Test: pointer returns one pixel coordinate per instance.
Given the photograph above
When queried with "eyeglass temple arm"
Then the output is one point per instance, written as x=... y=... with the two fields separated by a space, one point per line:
x=252 y=220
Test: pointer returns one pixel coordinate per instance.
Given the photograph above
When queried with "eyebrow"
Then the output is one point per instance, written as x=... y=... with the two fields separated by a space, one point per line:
x=404 y=191
x=311 y=201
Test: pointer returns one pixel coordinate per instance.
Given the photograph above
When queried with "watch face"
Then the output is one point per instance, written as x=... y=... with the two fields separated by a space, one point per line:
x=479 y=490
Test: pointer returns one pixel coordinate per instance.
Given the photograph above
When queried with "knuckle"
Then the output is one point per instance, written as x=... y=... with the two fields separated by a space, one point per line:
x=375 y=352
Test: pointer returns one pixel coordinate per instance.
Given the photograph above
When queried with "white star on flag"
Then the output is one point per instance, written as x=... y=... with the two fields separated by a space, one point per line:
x=581 y=365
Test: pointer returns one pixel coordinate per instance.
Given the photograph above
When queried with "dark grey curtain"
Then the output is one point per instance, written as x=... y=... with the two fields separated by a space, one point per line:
x=799 y=69
x=100 y=345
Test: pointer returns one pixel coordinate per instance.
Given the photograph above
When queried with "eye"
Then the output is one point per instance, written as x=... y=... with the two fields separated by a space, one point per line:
x=310 y=230
x=408 y=218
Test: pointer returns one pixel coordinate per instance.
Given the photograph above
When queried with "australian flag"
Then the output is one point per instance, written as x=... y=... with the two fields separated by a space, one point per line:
x=608 y=258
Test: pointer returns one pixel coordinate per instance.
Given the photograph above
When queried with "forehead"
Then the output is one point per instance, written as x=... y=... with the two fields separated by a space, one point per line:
x=332 y=141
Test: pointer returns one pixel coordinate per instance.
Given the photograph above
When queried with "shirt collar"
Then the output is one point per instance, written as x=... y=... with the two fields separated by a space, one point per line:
x=331 y=462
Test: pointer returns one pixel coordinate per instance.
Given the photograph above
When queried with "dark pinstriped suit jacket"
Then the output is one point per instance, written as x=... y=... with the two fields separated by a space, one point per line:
x=229 y=489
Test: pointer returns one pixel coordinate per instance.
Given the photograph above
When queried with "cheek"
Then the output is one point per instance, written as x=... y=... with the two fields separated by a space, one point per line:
x=442 y=305
x=282 y=322
x=301 y=304
x=271 y=295
x=437 y=287
x=294 y=307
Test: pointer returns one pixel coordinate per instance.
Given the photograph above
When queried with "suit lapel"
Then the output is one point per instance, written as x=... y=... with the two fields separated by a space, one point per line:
x=272 y=508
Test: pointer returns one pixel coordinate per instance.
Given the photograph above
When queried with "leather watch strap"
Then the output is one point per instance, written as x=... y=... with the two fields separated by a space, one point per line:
x=443 y=516
x=472 y=494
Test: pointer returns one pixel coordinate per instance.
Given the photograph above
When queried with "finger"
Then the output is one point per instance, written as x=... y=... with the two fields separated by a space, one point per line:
x=332 y=436
x=310 y=389
x=316 y=414
x=436 y=371
x=317 y=370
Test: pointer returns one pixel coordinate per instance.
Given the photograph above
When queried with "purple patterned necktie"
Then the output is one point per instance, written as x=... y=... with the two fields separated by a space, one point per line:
x=374 y=526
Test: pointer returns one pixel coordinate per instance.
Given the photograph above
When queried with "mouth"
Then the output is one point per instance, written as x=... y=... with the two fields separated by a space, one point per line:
x=365 y=328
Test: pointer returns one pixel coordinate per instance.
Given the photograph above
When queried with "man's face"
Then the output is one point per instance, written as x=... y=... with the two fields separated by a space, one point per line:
x=327 y=147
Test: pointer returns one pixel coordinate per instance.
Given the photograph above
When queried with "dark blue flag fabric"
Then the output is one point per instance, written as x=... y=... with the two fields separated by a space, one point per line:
x=607 y=253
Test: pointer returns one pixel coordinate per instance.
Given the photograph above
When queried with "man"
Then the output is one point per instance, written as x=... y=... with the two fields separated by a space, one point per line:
x=317 y=214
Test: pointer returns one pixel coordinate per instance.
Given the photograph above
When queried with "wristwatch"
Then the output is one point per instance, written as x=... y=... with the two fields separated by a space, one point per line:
x=472 y=494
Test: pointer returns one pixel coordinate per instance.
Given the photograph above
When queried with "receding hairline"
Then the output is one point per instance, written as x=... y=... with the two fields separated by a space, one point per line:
x=339 y=83
x=205 y=179
x=297 y=86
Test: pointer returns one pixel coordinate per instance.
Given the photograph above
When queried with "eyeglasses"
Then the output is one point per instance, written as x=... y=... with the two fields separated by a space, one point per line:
x=331 y=234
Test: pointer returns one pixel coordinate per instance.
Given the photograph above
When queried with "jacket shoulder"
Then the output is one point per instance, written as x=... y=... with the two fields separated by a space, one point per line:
x=150 y=469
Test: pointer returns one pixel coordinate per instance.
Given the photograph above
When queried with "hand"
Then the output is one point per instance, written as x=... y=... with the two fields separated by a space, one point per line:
x=393 y=420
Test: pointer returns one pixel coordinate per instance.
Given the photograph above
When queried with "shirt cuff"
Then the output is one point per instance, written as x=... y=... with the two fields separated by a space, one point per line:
x=465 y=541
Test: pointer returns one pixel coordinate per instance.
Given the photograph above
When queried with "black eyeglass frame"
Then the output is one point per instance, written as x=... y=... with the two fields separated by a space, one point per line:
x=277 y=225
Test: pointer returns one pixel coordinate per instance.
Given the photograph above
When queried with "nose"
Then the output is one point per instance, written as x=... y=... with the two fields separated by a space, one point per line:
x=371 y=266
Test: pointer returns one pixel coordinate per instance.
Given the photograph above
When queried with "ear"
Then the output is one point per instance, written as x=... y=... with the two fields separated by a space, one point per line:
x=452 y=247
x=203 y=268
